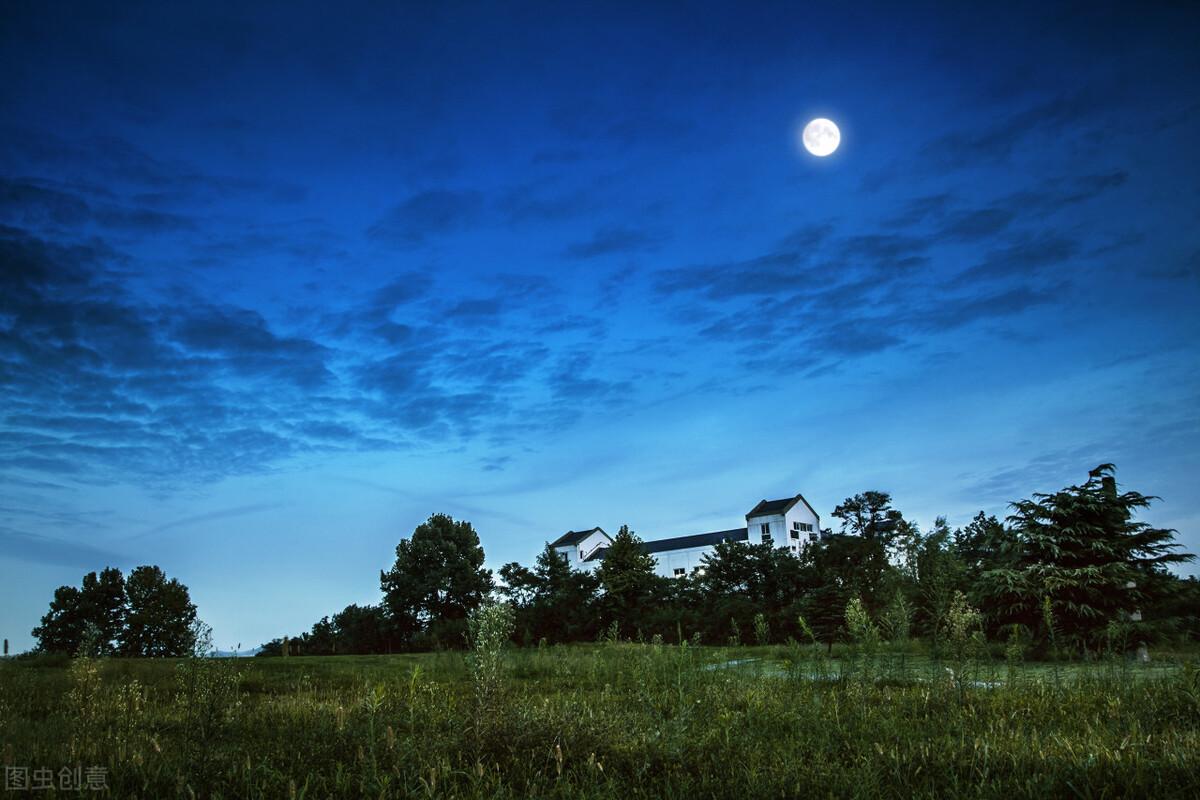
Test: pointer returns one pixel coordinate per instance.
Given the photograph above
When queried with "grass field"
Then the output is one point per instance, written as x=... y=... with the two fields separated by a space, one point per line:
x=621 y=720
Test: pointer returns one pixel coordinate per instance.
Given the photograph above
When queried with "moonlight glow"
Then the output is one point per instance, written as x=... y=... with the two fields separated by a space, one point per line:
x=821 y=137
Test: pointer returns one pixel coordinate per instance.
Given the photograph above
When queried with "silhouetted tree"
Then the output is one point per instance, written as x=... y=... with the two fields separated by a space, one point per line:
x=437 y=579
x=359 y=629
x=160 y=616
x=870 y=527
x=96 y=613
x=61 y=630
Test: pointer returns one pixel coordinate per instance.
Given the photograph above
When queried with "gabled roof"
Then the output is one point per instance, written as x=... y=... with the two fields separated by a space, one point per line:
x=695 y=540
x=571 y=538
x=768 y=507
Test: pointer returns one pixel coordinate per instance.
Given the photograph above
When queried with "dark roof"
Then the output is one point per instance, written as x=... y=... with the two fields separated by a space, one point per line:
x=574 y=537
x=597 y=554
x=767 y=507
x=695 y=540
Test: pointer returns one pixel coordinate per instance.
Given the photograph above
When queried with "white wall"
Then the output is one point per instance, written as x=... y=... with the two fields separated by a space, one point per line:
x=779 y=537
x=801 y=513
x=667 y=562
x=575 y=553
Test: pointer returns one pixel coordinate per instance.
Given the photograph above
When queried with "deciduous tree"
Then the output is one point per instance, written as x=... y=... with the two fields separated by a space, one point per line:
x=160 y=617
x=437 y=579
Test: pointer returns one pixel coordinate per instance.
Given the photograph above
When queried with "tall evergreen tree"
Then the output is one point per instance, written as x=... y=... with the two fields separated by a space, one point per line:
x=870 y=527
x=629 y=581
x=1080 y=549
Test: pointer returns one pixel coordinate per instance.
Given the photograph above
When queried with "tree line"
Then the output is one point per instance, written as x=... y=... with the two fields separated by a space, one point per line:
x=1070 y=568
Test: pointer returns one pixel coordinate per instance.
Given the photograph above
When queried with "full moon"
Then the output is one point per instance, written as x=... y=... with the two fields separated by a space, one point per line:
x=821 y=137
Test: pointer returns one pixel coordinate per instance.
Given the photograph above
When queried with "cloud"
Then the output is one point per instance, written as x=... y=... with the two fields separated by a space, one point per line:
x=614 y=240
x=1023 y=257
x=48 y=550
x=428 y=213
x=247 y=346
x=536 y=203
x=989 y=143
x=31 y=203
x=760 y=276
x=211 y=516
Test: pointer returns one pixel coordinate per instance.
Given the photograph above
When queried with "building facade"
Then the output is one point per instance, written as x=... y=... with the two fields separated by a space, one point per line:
x=788 y=523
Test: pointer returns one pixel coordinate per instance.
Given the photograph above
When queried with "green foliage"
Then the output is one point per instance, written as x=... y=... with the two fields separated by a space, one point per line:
x=438 y=578
x=490 y=627
x=863 y=631
x=553 y=601
x=1080 y=550
x=634 y=721
x=628 y=579
x=897 y=619
x=762 y=629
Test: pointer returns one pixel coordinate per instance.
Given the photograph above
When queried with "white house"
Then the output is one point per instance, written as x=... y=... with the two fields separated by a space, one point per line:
x=791 y=523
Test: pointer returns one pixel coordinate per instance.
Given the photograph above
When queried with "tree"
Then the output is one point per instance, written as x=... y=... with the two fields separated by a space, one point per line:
x=741 y=580
x=1080 y=549
x=437 y=579
x=938 y=576
x=359 y=629
x=62 y=626
x=95 y=613
x=832 y=565
x=978 y=542
x=628 y=578
x=871 y=516
x=870 y=528
x=552 y=601
x=160 y=618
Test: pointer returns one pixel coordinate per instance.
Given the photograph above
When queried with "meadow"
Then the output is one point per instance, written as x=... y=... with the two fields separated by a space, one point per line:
x=611 y=719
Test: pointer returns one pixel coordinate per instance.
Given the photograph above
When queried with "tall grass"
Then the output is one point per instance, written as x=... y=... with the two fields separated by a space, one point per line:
x=635 y=720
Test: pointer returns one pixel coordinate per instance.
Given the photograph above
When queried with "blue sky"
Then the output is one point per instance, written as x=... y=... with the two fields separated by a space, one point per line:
x=278 y=283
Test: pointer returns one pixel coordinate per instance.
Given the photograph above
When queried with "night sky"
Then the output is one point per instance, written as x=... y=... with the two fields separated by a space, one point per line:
x=277 y=284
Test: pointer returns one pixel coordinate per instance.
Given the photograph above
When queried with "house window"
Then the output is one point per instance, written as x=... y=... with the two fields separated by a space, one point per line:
x=679 y=571
x=765 y=529
x=795 y=530
x=812 y=537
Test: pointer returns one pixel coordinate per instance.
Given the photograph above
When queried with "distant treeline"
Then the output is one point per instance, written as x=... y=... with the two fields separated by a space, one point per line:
x=1070 y=569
